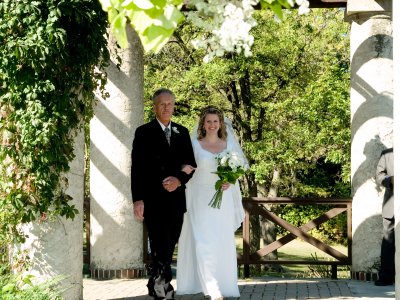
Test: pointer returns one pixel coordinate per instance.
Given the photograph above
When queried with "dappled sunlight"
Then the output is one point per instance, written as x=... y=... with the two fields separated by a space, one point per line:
x=114 y=148
x=96 y=230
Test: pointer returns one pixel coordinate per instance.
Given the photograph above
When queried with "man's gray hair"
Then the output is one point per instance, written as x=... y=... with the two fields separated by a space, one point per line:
x=162 y=91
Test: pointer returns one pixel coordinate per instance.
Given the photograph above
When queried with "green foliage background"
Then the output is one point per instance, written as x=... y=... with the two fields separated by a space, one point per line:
x=49 y=51
x=289 y=102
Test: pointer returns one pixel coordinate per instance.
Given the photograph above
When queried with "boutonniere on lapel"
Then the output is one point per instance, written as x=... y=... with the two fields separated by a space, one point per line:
x=175 y=130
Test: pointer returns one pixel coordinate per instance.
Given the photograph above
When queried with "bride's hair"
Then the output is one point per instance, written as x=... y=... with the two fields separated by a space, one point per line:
x=201 y=132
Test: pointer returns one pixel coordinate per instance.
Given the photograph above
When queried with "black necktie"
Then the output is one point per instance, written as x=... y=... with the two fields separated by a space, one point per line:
x=167 y=134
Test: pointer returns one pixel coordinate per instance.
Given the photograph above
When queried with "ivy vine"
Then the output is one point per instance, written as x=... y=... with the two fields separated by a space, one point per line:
x=52 y=59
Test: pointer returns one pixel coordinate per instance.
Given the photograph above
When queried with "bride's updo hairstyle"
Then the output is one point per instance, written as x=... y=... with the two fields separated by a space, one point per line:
x=201 y=132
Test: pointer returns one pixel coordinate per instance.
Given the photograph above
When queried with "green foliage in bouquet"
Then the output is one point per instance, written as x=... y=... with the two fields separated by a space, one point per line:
x=231 y=166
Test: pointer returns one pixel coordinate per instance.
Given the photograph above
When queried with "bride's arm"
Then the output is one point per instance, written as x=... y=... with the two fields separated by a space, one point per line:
x=225 y=186
x=187 y=169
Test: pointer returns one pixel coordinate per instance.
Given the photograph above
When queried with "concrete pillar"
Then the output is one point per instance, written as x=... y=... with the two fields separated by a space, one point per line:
x=371 y=44
x=115 y=236
x=396 y=134
x=54 y=246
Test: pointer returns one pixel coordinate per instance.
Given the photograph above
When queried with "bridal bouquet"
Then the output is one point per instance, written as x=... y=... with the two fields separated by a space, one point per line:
x=231 y=166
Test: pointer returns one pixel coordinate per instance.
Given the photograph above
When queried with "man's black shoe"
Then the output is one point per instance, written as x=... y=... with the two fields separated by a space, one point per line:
x=383 y=282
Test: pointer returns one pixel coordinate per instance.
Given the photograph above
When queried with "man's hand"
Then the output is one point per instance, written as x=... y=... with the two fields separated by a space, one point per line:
x=171 y=183
x=138 y=209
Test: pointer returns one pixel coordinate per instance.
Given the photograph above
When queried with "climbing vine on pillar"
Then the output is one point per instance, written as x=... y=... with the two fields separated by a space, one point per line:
x=52 y=56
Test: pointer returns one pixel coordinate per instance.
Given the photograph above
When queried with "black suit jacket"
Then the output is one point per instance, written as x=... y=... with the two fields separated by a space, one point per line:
x=153 y=159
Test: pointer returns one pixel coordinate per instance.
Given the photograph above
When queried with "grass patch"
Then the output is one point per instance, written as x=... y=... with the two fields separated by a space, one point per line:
x=299 y=250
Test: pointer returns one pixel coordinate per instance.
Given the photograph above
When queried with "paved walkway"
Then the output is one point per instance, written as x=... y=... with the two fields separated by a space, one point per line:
x=267 y=288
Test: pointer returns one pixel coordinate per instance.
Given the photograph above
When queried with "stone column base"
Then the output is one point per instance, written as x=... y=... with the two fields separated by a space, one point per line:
x=120 y=274
x=364 y=276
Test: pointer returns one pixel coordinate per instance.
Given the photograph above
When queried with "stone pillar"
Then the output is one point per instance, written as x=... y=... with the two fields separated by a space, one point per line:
x=115 y=236
x=396 y=134
x=54 y=246
x=371 y=97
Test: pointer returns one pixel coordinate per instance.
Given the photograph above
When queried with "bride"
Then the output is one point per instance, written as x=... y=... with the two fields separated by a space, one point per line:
x=207 y=261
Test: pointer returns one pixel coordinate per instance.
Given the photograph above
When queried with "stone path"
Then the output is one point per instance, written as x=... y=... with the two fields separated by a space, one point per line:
x=267 y=288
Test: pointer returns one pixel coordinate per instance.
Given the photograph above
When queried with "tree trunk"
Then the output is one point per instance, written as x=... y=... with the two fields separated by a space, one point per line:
x=255 y=229
x=269 y=229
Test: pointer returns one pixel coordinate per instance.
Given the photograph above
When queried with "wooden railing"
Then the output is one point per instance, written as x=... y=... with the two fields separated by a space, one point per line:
x=256 y=206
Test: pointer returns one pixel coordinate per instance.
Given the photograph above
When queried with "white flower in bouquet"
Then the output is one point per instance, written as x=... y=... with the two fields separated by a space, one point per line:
x=231 y=166
x=236 y=161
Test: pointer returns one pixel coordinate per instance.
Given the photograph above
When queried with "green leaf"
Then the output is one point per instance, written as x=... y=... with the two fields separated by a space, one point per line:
x=140 y=20
x=142 y=4
x=177 y=3
x=218 y=184
x=8 y=288
x=172 y=17
x=284 y=3
x=154 y=24
x=28 y=280
x=277 y=9
x=155 y=38
x=118 y=29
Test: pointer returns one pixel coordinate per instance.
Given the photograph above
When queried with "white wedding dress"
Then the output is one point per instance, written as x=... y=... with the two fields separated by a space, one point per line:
x=207 y=261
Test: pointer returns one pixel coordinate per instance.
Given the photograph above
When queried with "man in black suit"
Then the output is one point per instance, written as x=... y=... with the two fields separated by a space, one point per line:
x=160 y=149
x=385 y=177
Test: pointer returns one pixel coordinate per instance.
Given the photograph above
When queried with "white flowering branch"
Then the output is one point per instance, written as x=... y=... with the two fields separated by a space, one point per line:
x=226 y=22
x=229 y=24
